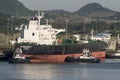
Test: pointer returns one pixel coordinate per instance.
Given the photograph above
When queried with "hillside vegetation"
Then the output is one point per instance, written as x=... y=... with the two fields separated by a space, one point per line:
x=95 y=10
x=14 y=8
x=89 y=17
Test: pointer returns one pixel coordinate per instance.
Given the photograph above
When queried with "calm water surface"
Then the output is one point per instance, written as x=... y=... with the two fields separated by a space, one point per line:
x=108 y=70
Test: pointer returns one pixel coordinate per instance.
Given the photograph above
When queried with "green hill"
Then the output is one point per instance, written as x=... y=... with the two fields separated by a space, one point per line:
x=14 y=7
x=95 y=10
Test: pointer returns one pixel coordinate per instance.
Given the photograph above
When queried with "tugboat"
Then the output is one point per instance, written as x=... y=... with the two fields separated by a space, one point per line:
x=85 y=58
x=114 y=55
x=18 y=58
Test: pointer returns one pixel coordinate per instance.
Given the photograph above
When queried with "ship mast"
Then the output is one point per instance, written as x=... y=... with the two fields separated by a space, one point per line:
x=40 y=16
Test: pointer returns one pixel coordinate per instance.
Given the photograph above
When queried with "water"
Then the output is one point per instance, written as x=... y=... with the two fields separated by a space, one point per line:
x=108 y=70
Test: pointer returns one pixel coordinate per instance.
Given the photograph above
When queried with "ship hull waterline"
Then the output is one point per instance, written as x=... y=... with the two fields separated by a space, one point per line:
x=59 y=58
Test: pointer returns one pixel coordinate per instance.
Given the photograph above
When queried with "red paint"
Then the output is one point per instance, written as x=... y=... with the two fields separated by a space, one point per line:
x=59 y=58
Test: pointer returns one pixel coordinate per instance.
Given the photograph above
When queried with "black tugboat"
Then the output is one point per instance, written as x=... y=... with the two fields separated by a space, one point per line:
x=85 y=58
x=113 y=55
x=18 y=58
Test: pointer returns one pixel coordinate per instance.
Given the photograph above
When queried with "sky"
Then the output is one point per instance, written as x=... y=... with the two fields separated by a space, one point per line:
x=69 y=5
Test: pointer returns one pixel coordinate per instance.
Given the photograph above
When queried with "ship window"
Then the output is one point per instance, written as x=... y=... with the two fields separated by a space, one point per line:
x=33 y=34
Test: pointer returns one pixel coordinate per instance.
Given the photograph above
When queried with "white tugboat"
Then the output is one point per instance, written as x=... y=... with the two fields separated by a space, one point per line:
x=18 y=57
x=85 y=58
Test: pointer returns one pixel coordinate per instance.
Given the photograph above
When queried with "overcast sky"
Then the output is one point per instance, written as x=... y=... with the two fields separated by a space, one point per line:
x=69 y=5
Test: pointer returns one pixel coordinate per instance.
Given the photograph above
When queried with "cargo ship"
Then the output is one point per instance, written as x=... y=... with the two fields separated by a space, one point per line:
x=40 y=44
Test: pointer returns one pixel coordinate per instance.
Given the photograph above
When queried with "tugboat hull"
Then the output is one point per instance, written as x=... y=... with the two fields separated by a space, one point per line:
x=113 y=55
x=72 y=59
x=18 y=60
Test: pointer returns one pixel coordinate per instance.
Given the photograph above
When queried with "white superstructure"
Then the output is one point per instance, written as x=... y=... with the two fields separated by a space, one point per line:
x=37 y=33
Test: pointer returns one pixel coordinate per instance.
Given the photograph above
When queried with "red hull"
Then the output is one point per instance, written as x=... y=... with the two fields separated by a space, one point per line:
x=59 y=58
